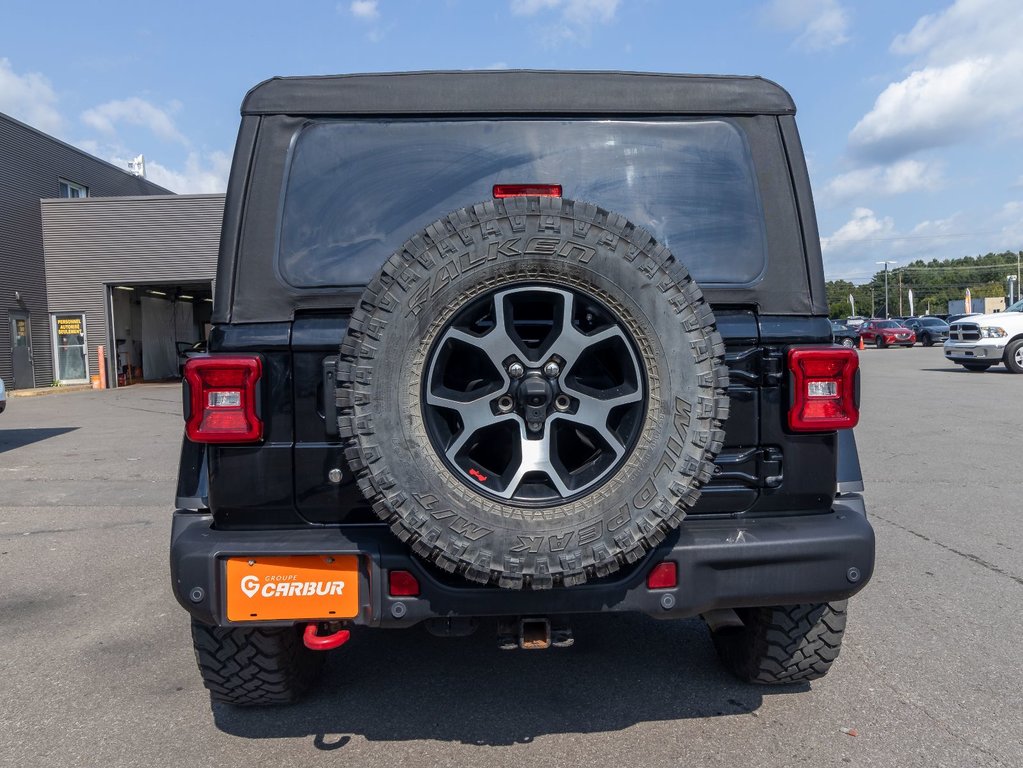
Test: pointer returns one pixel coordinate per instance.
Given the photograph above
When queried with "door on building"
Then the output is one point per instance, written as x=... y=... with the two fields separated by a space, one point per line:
x=71 y=363
x=21 y=349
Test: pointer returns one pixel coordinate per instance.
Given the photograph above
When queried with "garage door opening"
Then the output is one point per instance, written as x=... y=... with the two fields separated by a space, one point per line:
x=154 y=328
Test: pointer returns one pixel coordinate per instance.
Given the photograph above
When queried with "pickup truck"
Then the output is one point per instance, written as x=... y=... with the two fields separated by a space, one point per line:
x=978 y=342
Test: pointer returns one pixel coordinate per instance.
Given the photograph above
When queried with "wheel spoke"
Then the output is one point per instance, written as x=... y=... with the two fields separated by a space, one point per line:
x=593 y=412
x=536 y=457
x=475 y=414
x=496 y=343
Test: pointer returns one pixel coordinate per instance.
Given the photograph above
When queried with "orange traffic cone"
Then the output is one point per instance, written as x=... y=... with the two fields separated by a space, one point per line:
x=861 y=342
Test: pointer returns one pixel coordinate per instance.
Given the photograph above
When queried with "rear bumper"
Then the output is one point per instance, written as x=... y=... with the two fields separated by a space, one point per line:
x=721 y=564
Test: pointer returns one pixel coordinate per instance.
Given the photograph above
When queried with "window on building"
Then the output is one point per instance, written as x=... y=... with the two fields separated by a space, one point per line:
x=70 y=189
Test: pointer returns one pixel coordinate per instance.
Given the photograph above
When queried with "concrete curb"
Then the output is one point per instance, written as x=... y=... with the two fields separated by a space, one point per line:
x=37 y=392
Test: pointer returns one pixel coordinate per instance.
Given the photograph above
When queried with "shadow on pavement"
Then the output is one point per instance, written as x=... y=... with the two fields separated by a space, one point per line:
x=960 y=369
x=18 y=438
x=408 y=685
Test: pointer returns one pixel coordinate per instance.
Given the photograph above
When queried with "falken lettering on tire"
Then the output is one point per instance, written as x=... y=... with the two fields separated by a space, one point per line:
x=653 y=423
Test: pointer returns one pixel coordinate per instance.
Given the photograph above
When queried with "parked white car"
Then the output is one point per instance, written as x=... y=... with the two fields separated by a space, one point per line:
x=3 y=396
x=977 y=342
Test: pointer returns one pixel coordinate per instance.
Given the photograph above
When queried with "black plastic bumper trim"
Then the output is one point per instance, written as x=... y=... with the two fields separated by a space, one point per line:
x=721 y=564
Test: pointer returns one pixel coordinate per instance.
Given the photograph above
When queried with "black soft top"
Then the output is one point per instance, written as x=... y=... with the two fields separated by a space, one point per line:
x=251 y=290
x=513 y=91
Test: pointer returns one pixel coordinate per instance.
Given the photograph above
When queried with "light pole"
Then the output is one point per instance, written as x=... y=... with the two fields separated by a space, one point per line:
x=1012 y=284
x=886 y=263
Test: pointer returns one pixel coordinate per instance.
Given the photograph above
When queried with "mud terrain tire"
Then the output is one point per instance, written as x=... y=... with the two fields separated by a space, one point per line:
x=783 y=644
x=587 y=256
x=254 y=666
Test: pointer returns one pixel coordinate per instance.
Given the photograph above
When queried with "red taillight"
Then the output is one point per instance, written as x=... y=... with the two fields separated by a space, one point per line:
x=522 y=190
x=220 y=404
x=402 y=584
x=663 y=576
x=823 y=389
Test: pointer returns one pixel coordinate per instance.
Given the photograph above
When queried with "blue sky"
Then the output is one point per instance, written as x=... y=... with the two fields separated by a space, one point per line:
x=910 y=112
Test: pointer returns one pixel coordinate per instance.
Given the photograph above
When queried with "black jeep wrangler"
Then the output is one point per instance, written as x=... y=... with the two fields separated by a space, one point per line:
x=519 y=345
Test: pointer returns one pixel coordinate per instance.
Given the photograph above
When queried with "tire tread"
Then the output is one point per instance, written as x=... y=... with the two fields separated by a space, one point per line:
x=253 y=666
x=781 y=645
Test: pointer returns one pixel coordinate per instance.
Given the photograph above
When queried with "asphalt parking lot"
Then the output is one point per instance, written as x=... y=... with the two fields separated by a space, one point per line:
x=96 y=666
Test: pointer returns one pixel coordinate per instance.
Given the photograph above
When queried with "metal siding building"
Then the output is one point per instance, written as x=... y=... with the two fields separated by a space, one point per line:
x=32 y=165
x=92 y=244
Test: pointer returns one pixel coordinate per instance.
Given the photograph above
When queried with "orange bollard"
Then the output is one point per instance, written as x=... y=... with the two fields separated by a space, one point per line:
x=101 y=359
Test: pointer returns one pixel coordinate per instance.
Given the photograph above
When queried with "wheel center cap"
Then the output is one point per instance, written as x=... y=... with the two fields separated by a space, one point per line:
x=535 y=395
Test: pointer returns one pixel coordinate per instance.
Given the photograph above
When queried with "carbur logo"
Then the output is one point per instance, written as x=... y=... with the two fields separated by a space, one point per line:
x=288 y=586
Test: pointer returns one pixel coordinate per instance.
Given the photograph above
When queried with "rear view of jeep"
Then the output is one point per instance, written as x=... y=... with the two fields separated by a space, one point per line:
x=497 y=349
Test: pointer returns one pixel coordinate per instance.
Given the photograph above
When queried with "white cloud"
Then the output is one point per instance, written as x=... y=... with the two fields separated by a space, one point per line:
x=939 y=228
x=578 y=16
x=364 y=9
x=203 y=173
x=963 y=30
x=529 y=7
x=822 y=24
x=1010 y=219
x=134 y=111
x=29 y=98
x=895 y=179
x=864 y=225
x=966 y=82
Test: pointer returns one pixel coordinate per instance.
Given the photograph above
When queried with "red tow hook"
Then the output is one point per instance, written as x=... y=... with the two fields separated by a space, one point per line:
x=315 y=642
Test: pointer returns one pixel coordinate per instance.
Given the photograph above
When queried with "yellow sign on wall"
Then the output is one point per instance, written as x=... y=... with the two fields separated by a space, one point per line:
x=69 y=326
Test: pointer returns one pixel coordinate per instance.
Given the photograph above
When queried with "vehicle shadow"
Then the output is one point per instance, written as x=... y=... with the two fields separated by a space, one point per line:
x=405 y=686
x=959 y=369
x=18 y=438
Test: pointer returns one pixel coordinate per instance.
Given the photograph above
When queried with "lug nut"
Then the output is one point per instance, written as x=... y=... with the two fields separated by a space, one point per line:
x=551 y=370
x=515 y=370
x=562 y=402
x=505 y=403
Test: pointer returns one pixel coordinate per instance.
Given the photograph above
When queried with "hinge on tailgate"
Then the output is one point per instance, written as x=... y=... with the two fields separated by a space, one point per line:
x=771 y=473
x=754 y=468
x=772 y=366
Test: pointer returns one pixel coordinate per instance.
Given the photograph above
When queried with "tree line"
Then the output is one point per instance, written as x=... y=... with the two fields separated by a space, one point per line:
x=934 y=283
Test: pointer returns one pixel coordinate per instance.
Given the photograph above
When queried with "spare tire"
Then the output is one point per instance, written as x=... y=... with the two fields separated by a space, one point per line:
x=532 y=392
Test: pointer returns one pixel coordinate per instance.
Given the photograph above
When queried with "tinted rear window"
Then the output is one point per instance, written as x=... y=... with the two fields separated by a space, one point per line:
x=356 y=190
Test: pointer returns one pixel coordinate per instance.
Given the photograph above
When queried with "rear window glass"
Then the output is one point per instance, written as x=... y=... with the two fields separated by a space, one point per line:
x=357 y=190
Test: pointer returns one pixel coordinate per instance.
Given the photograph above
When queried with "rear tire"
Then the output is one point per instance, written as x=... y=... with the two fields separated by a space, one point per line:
x=254 y=666
x=976 y=367
x=1014 y=356
x=848 y=343
x=780 y=645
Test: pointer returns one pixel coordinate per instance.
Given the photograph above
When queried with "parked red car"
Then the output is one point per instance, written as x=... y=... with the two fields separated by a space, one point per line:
x=886 y=333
